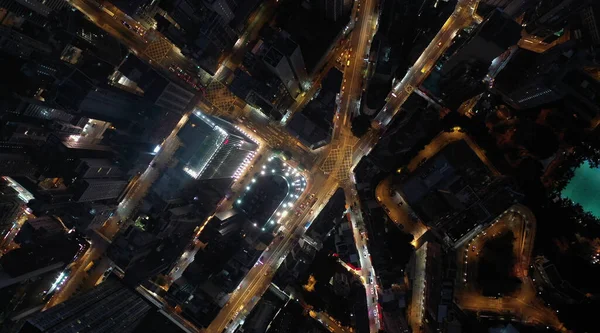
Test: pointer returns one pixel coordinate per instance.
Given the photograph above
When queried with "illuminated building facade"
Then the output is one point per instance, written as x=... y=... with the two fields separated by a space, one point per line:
x=108 y=307
x=214 y=148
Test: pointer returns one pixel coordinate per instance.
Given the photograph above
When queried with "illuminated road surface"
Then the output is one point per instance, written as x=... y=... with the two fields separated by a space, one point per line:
x=522 y=304
x=367 y=272
x=258 y=278
x=243 y=299
x=398 y=210
x=114 y=224
x=257 y=21
x=462 y=17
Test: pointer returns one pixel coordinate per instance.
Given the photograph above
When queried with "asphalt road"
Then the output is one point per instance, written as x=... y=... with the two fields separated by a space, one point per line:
x=323 y=186
x=462 y=17
x=258 y=278
x=523 y=303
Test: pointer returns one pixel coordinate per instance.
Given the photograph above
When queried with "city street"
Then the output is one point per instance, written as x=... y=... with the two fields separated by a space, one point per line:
x=325 y=172
x=77 y=272
x=258 y=278
x=307 y=96
x=523 y=303
x=441 y=141
x=462 y=17
x=398 y=210
x=258 y=19
x=367 y=272
x=152 y=47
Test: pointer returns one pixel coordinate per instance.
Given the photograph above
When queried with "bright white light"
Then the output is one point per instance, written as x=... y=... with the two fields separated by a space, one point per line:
x=254 y=224
x=272 y=222
x=247 y=188
x=273 y=170
x=284 y=214
x=58 y=280
x=278 y=214
x=253 y=180
x=191 y=172
x=239 y=201
x=262 y=172
x=156 y=149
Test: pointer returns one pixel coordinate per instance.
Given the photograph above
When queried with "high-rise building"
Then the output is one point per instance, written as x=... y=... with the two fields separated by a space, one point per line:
x=130 y=7
x=334 y=10
x=35 y=11
x=214 y=148
x=22 y=129
x=242 y=11
x=590 y=21
x=283 y=57
x=550 y=17
x=44 y=7
x=109 y=307
x=512 y=8
x=15 y=160
x=463 y=72
x=35 y=267
x=20 y=45
x=530 y=80
x=39 y=230
x=99 y=189
x=132 y=246
x=201 y=29
x=264 y=91
x=223 y=8
x=279 y=65
x=10 y=207
x=38 y=109
x=292 y=51
x=493 y=37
